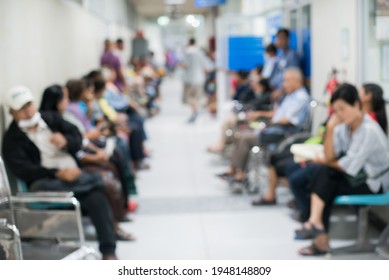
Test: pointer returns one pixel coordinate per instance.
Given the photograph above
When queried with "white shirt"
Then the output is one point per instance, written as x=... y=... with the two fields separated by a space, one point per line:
x=51 y=156
x=196 y=66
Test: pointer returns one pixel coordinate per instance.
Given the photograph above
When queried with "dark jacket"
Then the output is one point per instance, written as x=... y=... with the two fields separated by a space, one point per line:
x=23 y=157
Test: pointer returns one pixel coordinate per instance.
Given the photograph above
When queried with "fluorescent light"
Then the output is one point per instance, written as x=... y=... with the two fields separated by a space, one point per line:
x=163 y=20
x=175 y=2
x=190 y=19
x=196 y=23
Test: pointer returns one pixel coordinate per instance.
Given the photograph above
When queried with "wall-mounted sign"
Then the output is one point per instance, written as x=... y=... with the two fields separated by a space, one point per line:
x=208 y=3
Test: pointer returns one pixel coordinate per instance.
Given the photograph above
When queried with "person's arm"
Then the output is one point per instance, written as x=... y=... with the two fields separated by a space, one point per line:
x=329 y=149
x=251 y=116
x=70 y=132
x=108 y=111
x=20 y=163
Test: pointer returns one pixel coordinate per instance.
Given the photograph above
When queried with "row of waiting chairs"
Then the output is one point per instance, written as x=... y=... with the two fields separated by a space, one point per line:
x=41 y=225
x=362 y=203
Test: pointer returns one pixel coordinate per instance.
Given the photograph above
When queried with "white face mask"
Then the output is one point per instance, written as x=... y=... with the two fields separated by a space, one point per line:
x=24 y=124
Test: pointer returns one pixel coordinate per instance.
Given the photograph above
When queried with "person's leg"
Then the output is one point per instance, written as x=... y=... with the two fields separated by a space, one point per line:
x=195 y=95
x=278 y=163
x=229 y=123
x=299 y=178
x=94 y=202
x=241 y=153
x=96 y=205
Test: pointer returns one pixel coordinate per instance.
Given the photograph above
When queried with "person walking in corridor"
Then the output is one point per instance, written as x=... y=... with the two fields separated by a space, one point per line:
x=195 y=70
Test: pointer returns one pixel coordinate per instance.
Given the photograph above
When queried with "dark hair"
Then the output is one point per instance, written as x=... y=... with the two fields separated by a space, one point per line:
x=284 y=31
x=99 y=85
x=265 y=84
x=51 y=97
x=76 y=87
x=192 y=41
x=94 y=74
x=271 y=48
x=119 y=41
x=347 y=93
x=259 y=69
x=243 y=74
x=378 y=103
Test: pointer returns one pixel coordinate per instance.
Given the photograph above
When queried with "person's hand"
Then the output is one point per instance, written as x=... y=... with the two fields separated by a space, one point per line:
x=101 y=156
x=68 y=174
x=276 y=94
x=252 y=116
x=333 y=121
x=58 y=140
x=93 y=134
x=319 y=160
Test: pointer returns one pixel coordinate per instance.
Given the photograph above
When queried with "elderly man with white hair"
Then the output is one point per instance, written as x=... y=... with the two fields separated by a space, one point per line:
x=287 y=118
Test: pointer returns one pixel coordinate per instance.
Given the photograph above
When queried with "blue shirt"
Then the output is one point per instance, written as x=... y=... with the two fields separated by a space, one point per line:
x=294 y=107
x=286 y=58
x=116 y=100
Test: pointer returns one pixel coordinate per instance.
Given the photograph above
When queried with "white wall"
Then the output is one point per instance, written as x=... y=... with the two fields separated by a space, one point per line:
x=329 y=19
x=49 y=41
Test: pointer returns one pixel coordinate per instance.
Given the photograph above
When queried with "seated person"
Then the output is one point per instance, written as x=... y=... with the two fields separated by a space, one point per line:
x=261 y=101
x=355 y=161
x=40 y=149
x=373 y=105
x=286 y=119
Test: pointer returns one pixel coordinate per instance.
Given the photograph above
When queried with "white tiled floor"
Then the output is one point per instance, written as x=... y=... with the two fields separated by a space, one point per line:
x=186 y=212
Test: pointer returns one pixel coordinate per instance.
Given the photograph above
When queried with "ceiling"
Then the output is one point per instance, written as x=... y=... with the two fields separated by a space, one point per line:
x=156 y=8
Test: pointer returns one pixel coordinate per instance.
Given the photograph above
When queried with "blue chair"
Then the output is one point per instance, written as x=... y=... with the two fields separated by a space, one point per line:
x=364 y=203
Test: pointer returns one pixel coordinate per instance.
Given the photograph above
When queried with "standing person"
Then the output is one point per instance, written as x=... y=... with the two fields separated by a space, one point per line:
x=111 y=60
x=286 y=58
x=195 y=70
x=120 y=52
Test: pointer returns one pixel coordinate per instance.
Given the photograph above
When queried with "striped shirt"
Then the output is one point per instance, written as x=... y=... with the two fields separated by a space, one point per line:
x=366 y=148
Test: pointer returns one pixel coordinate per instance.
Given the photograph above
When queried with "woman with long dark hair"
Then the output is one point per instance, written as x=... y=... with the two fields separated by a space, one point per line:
x=373 y=103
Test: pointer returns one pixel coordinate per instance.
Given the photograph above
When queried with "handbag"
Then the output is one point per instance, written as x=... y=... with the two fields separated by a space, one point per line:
x=359 y=179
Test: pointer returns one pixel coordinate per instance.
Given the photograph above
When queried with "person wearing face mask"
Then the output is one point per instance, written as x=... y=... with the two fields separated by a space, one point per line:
x=40 y=149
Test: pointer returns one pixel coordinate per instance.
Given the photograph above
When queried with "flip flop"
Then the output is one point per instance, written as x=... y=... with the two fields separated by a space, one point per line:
x=312 y=250
x=308 y=233
x=121 y=235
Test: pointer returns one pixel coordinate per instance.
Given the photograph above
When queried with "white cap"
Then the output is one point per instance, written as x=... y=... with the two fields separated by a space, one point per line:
x=18 y=96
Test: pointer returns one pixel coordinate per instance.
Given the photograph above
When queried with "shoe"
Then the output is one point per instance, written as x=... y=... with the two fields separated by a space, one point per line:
x=142 y=165
x=121 y=235
x=237 y=189
x=312 y=250
x=308 y=233
x=109 y=257
x=292 y=204
x=297 y=217
x=126 y=219
x=263 y=202
x=226 y=176
x=193 y=118
x=132 y=206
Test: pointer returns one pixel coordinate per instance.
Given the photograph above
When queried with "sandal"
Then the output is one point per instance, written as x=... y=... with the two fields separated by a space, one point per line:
x=225 y=176
x=121 y=235
x=312 y=250
x=263 y=202
x=308 y=233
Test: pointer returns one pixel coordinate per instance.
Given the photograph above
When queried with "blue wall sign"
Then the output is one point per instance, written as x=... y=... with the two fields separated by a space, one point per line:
x=208 y=3
x=245 y=52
